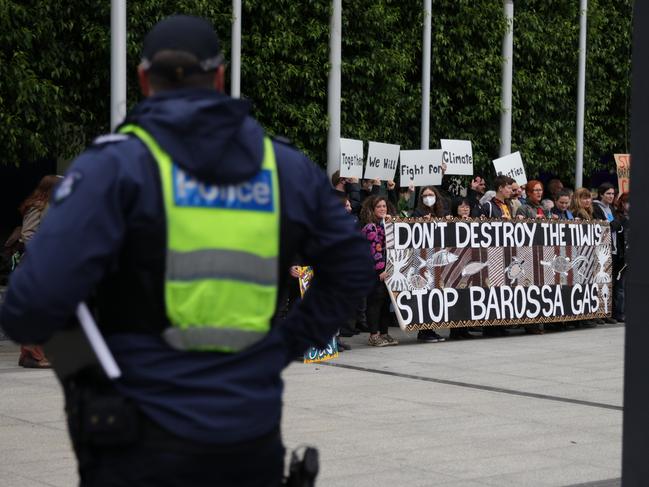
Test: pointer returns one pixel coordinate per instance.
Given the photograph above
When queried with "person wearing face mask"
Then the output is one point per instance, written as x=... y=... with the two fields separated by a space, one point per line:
x=430 y=205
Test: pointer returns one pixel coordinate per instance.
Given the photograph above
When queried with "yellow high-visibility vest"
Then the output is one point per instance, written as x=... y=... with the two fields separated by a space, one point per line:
x=222 y=261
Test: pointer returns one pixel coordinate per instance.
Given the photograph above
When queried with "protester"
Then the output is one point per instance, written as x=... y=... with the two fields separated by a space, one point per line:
x=604 y=209
x=373 y=213
x=348 y=188
x=33 y=209
x=403 y=201
x=581 y=207
x=581 y=204
x=430 y=205
x=475 y=192
x=370 y=187
x=603 y=206
x=532 y=207
x=515 y=198
x=461 y=207
x=553 y=188
x=500 y=206
x=562 y=206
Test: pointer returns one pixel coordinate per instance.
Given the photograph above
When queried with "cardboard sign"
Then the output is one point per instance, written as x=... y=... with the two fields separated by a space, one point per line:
x=420 y=167
x=512 y=166
x=458 y=156
x=382 y=161
x=351 y=158
x=623 y=163
x=453 y=273
x=314 y=354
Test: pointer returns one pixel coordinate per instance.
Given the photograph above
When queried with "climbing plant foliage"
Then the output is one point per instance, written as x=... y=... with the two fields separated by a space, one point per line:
x=55 y=73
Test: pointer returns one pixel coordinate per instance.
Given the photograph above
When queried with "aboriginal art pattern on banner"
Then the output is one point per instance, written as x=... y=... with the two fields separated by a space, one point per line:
x=480 y=272
x=314 y=354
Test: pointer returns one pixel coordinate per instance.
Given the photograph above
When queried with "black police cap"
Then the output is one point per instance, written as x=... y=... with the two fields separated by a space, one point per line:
x=183 y=33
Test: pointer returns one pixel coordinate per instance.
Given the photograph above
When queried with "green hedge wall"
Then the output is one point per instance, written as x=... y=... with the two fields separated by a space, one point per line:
x=55 y=73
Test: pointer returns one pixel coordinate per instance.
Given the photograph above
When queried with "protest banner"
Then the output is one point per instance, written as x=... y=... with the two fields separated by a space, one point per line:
x=511 y=165
x=420 y=167
x=458 y=156
x=351 y=158
x=382 y=161
x=314 y=354
x=623 y=163
x=455 y=273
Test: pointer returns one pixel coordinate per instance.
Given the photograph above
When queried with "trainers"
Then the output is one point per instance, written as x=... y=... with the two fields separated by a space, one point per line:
x=610 y=320
x=390 y=340
x=429 y=336
x=377 y=341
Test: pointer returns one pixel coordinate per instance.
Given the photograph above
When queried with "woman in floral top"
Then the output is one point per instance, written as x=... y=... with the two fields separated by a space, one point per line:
x=373 y=213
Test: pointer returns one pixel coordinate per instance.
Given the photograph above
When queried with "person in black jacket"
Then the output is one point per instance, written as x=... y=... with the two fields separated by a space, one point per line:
x=499 y=206
x=476 y=191
x=186 y=416
x=348 y=188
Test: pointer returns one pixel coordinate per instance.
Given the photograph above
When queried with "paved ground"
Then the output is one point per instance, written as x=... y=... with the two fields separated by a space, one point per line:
x=516 y=411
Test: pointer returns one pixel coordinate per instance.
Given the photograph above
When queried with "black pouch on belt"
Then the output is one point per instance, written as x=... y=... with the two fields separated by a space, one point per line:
x=109 y=420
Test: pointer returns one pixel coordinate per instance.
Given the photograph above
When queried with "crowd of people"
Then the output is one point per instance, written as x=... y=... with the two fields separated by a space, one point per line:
x=370 y=201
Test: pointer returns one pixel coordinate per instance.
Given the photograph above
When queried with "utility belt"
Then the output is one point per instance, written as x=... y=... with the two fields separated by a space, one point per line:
x=100 y=417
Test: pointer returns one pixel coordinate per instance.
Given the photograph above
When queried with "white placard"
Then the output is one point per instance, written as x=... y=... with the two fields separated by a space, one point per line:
x=382 y=161
x=351 y=158
x=458 y=156
x=512 y=166
x=420 y=167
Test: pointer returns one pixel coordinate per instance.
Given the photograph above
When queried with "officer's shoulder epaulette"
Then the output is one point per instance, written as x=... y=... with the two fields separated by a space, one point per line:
x=282 y=140
x=109 y=139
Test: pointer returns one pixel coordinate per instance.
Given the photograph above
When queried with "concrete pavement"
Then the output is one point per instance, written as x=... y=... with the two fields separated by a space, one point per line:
x=516 y=411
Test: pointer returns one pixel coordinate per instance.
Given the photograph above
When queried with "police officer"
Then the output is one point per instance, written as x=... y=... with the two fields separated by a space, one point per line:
x=181 y=228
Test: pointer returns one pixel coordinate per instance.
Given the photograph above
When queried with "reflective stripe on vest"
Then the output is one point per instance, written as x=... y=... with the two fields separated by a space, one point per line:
x=222 y=261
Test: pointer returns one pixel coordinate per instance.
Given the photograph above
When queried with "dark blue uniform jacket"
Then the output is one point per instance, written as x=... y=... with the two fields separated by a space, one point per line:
x=104 y=239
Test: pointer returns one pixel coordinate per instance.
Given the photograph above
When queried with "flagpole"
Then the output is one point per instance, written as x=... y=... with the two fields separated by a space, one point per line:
x=507 y=81
x=333 y=92
x=425 y=76
x=581 y=94
x=117 y=62
x=235 y=75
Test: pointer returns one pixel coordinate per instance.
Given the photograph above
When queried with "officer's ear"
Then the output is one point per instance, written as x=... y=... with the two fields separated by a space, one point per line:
x=219 y=79
x=143 y=77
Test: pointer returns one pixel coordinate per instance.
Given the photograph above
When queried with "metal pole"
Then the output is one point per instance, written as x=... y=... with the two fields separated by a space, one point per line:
x=507 y=76
x=581 y=94
x=425 y=76
x=235 y=84
x=635 y=438
x=333 y=93
x=117 y=62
